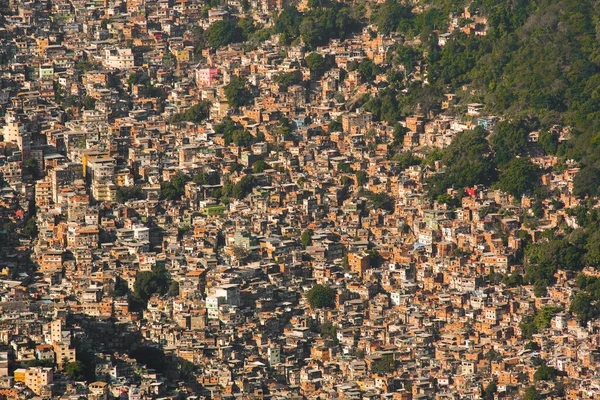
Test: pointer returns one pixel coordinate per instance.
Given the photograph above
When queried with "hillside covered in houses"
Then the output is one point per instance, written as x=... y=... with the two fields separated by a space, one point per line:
x=279 y=199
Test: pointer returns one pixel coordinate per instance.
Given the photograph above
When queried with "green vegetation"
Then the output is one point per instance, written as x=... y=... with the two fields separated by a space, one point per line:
x=147 y=284
x=151 y=357
x=260 y=166
x=287 y=79
x=335 y=126
x=89 y=103
x=545 y=258
x=222 y=33
x=509 y=140
x=241 y=189
x=490 y=390
x=317 y=64
x=518 y=176
x=361 y=177
x=173 y=289
x=84 y=66
x=532 y=394
x=536 y=323
x=174 y=189
x=30 y=228
x=125 y=193
x=384 y=365
x=321 y=296
x=196 y=113
x=306 y=238
x=74 y=370
x=405 y=160
x=369 y=70
x=328 y=330
x=468 y=162
x=323 y=22
x=234 y=133
x=345 y=168
x=237 y=93
x=545 y=373
x=586 y=304
x=206 y=178
x=380 y=201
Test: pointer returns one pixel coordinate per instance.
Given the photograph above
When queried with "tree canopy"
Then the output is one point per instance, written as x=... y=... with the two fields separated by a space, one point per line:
x=518 y=176
x=147 y=284
x=237 y=92
x=321 y=296
x=196 y=113
x=468 y=162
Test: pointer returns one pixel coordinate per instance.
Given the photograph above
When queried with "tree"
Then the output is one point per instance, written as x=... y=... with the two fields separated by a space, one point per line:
x=306 y=237
x=345 y=263
x=120 y=288
x=543 y=316
x=259 y=166
x=518 y=176
x=247 y=27
x=288 y=23
x=369 y=70
x=187 y=370
x=237 y=93
x=531 y=345
x=334 y=126
x=222 y=33
x=240 y=189
x=345 y=168
x=532 y=394
x=288 y=79
x=380 y=201
x=490 y=390
x=206 y=178
x=89 y=103
x=585 y=307
x=375 y=259
x=468 y=162
x=196 y=113
x=587 y=181
x=320 y=296
x=173 y=289
x=30 y=229
x=361 y=177
x=548 y=141
x=527 y=327
x=544 y=259
x=509 y=140
x=174 y=189
x=398 y=135
x=545 y=373
x=592 y=247
x=147 y=284
x=493 y=355
x=151 y=357
x=393 y=16
x=74 y=370
x=125 y=193
x=316 y=63
x=384 y=365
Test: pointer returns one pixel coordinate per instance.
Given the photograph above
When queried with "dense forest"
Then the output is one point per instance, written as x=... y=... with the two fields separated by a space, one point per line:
x=538 y=65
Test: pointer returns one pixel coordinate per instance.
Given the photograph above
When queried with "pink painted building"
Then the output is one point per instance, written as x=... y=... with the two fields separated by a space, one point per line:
x=205 y=77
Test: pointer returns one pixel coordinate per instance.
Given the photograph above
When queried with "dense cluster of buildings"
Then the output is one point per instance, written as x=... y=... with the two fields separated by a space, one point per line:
x=87 y=93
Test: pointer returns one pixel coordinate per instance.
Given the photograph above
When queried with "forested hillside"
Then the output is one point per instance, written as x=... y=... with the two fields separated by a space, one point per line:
x=537 y=65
